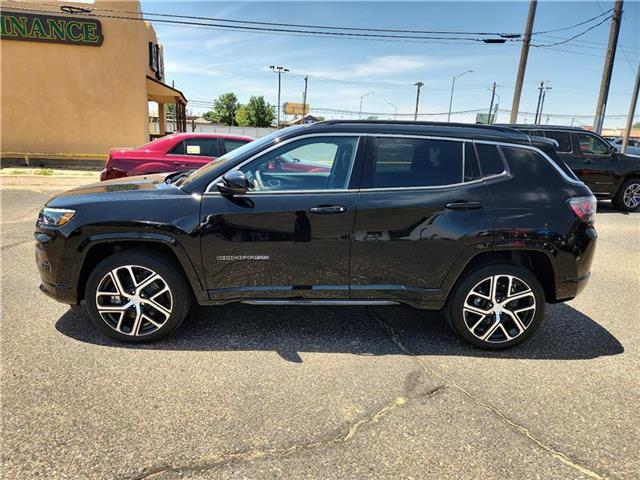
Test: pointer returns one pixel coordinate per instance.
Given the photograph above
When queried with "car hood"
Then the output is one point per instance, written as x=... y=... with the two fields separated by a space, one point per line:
x=118 y=189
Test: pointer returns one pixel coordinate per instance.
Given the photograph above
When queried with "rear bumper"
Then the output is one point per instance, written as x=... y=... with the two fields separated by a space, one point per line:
x=582 y=252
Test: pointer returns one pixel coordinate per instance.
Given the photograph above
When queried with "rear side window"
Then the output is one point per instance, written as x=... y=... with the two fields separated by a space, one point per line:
x=528 y=164
x=563 y=139
x=201 y=147
x=411 y=162
x=490 y=159
x=230 y=144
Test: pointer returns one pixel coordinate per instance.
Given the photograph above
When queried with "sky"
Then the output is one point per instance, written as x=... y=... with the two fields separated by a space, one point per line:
x=205 y=63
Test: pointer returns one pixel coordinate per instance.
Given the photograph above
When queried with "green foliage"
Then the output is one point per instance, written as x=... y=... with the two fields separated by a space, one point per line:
x=636 y=125
x=258 y=113
x=241 y=116
x=224 y=109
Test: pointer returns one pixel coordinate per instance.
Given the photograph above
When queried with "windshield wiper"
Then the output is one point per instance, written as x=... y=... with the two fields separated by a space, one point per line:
x=174 y=177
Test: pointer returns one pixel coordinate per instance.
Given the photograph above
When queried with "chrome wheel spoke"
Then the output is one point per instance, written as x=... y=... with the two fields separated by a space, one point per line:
x=499 y=308
x=134 y=300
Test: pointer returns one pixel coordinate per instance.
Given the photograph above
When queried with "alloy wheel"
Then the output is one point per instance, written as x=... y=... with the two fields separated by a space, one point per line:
x=499 y=308
x=134 y=300
x=631 y=196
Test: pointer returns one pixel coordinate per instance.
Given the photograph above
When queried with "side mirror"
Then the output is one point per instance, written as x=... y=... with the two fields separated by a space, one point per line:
x=234 y=183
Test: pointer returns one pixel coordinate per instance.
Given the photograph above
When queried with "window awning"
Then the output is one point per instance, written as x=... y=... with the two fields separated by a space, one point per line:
x=163 y=93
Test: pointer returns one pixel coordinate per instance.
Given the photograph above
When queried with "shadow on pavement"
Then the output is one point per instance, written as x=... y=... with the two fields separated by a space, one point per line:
x=565 y=334
x=605 y=207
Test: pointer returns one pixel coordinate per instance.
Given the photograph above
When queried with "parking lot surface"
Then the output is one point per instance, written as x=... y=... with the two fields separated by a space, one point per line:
x=319 y=392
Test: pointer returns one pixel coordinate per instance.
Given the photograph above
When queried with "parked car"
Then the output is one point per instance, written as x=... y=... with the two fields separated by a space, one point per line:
x=180 y=151
x=608 y=173
x=633 y=147
x=480 y=221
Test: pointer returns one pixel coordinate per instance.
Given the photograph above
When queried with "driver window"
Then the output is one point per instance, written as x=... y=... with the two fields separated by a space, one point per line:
x=315 y=163
x=592 y=145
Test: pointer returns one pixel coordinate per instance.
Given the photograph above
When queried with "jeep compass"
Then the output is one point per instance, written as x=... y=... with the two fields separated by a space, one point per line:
x=483 y=222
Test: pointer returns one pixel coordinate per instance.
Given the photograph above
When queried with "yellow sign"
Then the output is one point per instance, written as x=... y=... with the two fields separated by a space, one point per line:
x=296 y=108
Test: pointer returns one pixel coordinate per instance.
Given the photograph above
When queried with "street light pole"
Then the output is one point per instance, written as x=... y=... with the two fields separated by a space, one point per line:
x=362 y=98
x=279 y=70
x=453 y=85
x=395 y=110
x=419 y=85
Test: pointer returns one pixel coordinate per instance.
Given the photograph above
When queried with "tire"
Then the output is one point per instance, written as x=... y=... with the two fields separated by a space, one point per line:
x=628 y=197
x=475 y=294
x=141 y=308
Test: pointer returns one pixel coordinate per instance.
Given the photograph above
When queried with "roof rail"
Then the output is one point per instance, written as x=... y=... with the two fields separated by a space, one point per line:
x=533 y=126
x=501 y=128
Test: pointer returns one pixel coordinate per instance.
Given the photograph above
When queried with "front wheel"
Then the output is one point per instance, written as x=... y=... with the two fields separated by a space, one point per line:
x=497 y=307
x=628 y=197
x=137 y=297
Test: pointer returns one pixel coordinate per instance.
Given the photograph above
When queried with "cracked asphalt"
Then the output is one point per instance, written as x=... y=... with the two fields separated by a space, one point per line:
x=319 y=392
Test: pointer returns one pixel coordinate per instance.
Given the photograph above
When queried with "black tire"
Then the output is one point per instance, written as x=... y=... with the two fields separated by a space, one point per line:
x=177 y=300
x=618 y=201
x=460 y=320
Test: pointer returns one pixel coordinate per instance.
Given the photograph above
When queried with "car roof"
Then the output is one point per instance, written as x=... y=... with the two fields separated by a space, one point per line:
x=229 y=136
x=439 y=129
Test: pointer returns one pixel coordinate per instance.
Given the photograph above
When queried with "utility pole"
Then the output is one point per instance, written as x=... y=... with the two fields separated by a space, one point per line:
x=493 y=96
x=362 y=98
x=540 y=90
x=419 y=85
x=616 y=18
x=632 y=111
x=544 y=95
x=279 y=70
x=453 y=85
x=304 y=98
x=395 y=110
x=524 y=54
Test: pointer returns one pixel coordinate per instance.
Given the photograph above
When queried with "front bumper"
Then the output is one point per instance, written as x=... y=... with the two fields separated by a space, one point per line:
x=53 y=268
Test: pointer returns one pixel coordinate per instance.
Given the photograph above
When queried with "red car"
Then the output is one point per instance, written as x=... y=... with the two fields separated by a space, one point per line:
x=180 y=151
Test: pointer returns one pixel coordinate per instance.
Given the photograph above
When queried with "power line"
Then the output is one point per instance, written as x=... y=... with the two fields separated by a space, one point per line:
x=562 y=29
x=577 y=35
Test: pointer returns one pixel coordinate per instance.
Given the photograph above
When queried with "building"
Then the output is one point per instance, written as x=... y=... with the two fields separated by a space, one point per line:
x=76 y=82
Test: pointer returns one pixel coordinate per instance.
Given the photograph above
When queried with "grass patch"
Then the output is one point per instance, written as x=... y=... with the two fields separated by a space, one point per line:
x=18 y=172
x=47 y=172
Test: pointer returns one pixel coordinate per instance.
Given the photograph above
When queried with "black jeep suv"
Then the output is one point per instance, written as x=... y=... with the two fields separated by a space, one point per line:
x=480 y=221
x=607 y=172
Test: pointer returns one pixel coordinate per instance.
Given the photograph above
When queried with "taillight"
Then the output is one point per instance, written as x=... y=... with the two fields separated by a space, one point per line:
x=584 y=207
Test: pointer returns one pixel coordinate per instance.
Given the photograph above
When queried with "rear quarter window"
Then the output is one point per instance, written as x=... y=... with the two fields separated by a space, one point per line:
x=563 y=139
x=530 y=166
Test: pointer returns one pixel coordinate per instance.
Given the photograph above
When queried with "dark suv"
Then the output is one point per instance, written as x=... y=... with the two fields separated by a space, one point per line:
x=480 y=221
x=607 y=172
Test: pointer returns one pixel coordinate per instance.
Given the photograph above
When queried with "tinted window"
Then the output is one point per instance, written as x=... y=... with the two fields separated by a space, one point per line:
x=410 y=162
x=528 y=164
x=563 y=139
x=232 y=144
x=203 y=147
x=471 y=168
x=490 y=159
x=315 y=163
x=592 y=145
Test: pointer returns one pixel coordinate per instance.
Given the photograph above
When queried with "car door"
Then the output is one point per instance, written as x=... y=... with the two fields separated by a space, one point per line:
x=193 y=153
x=598 y=163
x=422 y=206
x=289 y=236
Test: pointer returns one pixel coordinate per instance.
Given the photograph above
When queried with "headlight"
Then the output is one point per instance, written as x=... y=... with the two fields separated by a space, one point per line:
x=55 y=217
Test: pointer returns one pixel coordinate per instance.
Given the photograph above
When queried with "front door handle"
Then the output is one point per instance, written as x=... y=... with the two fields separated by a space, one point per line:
x=328 y=209
x=463 y=205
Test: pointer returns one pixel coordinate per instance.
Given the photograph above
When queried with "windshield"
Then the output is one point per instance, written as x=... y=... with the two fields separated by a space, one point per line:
x=230 y=157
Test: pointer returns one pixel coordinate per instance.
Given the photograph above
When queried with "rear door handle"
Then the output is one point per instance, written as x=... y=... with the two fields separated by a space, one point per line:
x=328 y=209
x=463 y=205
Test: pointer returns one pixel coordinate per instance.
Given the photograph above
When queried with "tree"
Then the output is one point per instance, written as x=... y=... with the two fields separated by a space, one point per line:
x=224 y=109
x=241 y=116
x=259 y=113
x=636 y=125
x=170 y=110
x=209 y=115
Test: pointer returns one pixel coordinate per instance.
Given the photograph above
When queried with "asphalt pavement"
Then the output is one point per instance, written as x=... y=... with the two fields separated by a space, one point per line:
x=318 y=392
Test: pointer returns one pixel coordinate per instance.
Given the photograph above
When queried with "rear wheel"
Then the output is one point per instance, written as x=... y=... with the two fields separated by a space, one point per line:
x=136 y=297
x=497 y=307
x=628 y=197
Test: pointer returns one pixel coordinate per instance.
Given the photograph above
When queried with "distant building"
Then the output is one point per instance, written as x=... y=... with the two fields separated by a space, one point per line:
x=78 y=85
x=304 y=120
